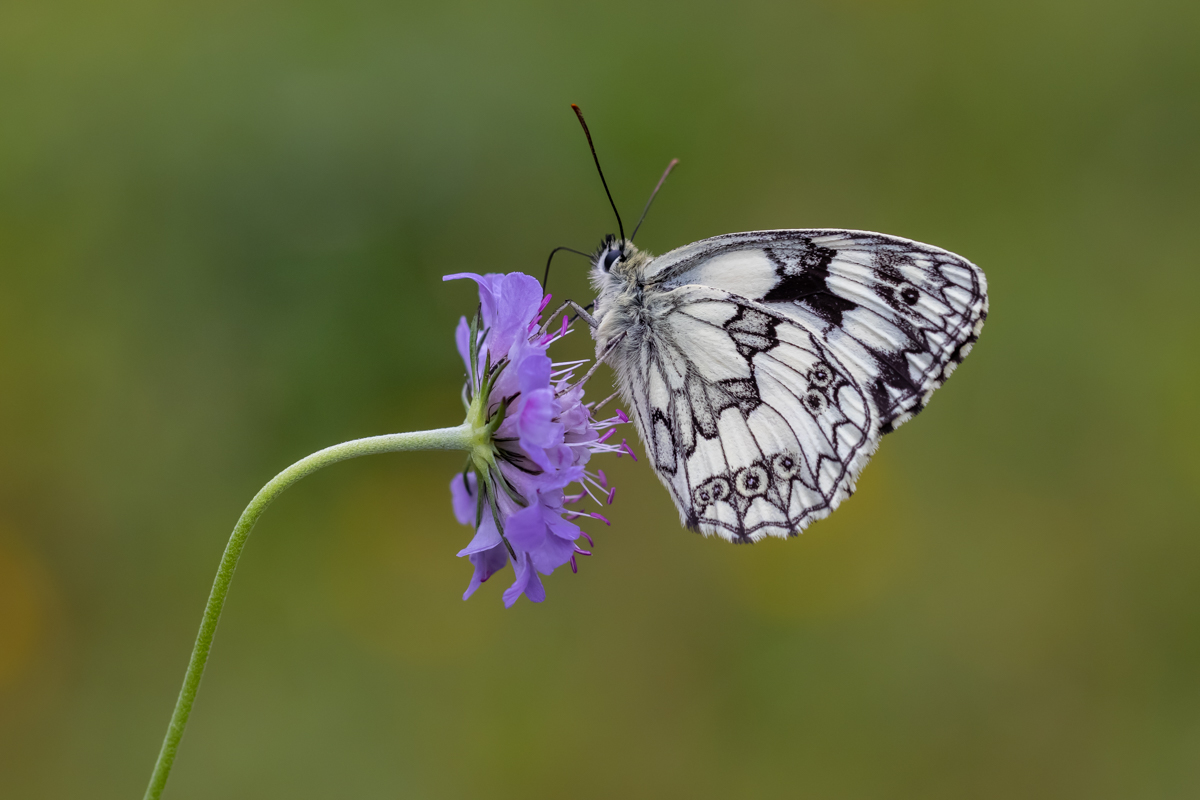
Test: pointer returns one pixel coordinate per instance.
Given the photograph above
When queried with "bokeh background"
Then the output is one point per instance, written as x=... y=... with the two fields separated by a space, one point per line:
x=222 y=231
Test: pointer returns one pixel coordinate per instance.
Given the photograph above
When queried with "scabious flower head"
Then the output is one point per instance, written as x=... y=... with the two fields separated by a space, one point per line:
x=534 y=437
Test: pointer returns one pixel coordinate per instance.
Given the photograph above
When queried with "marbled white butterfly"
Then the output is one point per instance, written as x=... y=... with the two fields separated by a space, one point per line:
x=763 y=368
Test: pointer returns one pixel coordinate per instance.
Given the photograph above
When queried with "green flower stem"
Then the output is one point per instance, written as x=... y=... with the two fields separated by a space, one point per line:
x=463 y=437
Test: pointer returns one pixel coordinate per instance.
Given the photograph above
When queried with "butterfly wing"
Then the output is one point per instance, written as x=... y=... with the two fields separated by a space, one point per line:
x=900 y=315
x=752 y=422
x=783 y=358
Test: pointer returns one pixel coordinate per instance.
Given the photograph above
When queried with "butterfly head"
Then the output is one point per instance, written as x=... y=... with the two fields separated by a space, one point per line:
x=614 y=254
x=610 y=252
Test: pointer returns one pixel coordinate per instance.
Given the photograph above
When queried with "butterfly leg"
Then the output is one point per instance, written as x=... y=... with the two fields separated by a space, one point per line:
x=605 y=401
x=583 y=314
x=555 y=313
x=600 y=356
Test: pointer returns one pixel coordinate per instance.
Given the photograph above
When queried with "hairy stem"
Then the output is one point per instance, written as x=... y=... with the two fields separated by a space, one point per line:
x=458 y=438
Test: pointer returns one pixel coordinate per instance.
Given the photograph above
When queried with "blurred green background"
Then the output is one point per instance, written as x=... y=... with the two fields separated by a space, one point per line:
x=222 y=231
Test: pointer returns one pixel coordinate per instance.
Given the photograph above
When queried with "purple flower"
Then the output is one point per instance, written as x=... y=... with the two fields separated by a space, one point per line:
x=535 y=434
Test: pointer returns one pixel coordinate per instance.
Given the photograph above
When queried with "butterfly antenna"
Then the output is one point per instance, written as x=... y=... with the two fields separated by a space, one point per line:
x=596 y=158
x=546 y=277
x=646 y=210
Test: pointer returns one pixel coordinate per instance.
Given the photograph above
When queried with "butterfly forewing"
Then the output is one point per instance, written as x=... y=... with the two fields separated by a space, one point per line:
x=899 y=314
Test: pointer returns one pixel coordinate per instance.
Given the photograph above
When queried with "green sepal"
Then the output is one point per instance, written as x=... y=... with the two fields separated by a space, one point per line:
x=473 y=345
x=497 y=419
x=511 y=491
x=479 y=506
x=499 y=525
x=488 y=382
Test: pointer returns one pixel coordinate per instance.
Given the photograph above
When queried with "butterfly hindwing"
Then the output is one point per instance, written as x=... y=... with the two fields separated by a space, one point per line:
x=753 y=424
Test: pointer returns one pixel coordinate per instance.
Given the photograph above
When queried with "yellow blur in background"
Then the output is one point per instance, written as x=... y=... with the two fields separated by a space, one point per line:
x=223 y=228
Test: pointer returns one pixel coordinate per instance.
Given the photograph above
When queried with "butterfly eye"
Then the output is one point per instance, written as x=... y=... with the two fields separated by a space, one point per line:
x=610 y=257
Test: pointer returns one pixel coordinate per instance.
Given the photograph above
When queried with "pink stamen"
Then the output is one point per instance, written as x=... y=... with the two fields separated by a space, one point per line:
x=574 y=568
x=584 y=535
x=602 y=518
x=621 y=416
x=607 y=434
x=575 y=498
x=545 y=302
x=580 y=552
x=566 y=324
x=611 y=494
x=629 y=449
x=603 y=479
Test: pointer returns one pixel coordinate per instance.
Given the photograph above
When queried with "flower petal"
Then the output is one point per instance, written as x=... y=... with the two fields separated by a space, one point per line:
x=553 y=553
x=508 y=302
x=462 y=340
x=535 y=422
x=518 y=298
x=561 y=528
x=527 y=583
x=534 y=373
x=538 y=431
x=526 y=529
x=486 y=537
x=487 y=564
x=463 y=498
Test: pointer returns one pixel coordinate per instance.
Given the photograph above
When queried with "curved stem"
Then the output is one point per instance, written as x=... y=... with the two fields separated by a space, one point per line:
x=458 y=438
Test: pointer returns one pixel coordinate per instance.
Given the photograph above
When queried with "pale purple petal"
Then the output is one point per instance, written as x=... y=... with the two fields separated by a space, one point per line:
x=462 y=339
x=538 y=431
x=536 y=419
x=487 y=564
x=527 y=583
x=518 y=300
x=529 y=486
x=561 y=528
x=486 y=537
x=462 y=497
x=526 y=529
x=553 y=553
x=508 y=303
x=534 y=373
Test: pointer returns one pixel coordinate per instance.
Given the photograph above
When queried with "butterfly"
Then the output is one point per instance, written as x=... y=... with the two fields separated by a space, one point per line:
x=763 y=368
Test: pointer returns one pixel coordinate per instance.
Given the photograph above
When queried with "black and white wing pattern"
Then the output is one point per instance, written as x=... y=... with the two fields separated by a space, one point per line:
x=781 y=360
x=900 y=315
x=751 y=421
